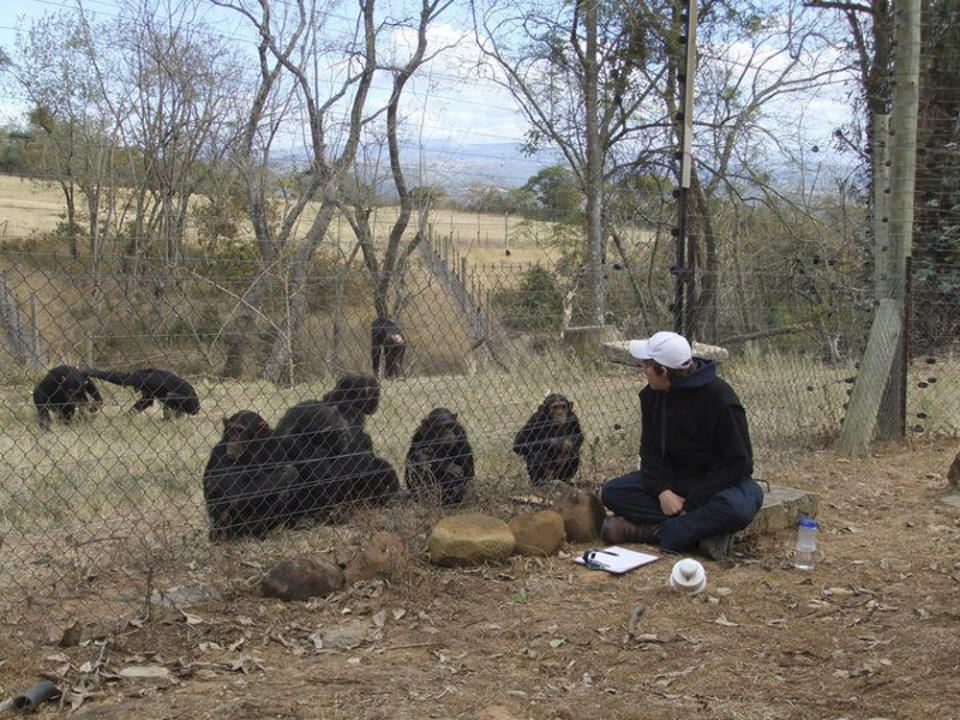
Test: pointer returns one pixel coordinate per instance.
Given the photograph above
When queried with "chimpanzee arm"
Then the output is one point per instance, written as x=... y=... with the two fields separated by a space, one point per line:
x=535 y=438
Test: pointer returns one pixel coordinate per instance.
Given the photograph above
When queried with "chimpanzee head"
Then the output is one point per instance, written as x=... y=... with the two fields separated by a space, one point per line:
x=440 y=427
x=242 y=429
x=356 y=392
x=556 y=408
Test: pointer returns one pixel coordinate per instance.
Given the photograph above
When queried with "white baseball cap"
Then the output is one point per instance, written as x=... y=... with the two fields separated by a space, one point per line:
x=667 y=348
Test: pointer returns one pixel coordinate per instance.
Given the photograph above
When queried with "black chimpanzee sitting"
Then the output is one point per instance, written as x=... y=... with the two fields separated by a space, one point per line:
x=387 y=340
x=63 y=391
x=363 y=477
x=440 y=456
x=246 y=489
x=550 y=441
x=176 y=394
x=310 y=435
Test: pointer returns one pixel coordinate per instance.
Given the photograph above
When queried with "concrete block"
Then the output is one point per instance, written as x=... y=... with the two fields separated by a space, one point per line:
x=778 y=514
x=619 y=352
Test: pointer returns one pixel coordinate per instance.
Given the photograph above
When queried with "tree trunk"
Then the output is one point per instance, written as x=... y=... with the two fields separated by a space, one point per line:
x=704 y=326
x=68 y=196
x=280 y=355
x=594 y=170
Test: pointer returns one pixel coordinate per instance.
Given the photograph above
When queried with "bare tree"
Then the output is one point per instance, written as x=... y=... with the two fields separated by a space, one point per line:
x=293 y=88
x=572 y=69
x=386 y=270
x=53 y=71
x=309 y=74
x=749 y=65
x=185 y=91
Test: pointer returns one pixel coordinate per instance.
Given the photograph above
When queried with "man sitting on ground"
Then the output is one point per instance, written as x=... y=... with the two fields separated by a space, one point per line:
x=694 y=485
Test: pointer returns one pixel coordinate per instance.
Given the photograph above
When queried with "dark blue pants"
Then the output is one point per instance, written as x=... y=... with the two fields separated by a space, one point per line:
x=725 y=512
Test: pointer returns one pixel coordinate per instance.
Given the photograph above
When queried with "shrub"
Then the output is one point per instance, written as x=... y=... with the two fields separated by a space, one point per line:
x=537 y=305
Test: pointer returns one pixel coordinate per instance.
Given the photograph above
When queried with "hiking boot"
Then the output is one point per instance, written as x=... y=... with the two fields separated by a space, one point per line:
x=716 y=547
x=617 y=530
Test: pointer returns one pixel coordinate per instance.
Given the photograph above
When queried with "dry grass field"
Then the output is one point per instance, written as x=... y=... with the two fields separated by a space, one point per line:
x=98 y=520
x=30 y=209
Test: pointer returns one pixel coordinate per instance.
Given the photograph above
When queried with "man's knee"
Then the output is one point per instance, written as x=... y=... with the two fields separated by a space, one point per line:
x=743 y=501
x=610 y=494
x=613 y=490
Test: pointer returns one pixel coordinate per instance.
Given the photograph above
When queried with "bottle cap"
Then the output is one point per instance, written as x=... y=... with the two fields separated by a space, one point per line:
x=808 y=523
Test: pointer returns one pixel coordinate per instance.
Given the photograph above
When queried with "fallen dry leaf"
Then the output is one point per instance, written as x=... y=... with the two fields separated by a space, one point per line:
x=722 y=620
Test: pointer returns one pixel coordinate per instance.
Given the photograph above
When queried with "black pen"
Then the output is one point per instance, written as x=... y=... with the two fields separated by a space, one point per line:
x=607 y=552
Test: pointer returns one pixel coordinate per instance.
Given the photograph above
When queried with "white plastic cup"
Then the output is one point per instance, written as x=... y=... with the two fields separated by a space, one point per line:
x=688 y=576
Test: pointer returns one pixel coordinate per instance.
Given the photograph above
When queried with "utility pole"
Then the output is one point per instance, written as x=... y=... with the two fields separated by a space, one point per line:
x=881 y=371
x=686 y=256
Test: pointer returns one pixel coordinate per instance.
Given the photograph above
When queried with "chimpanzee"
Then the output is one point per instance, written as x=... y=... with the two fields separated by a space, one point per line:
x=313 y=436
x=386 y=339
x=64 y=390
x=247 y=492
x=550 y=441
x=176 y=394
x=362 y=476
x=355 y=396
x=440 y=456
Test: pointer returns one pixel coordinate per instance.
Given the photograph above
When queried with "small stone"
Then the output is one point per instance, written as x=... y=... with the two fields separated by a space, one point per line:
x=301 y=579
x=385 y=553
x=582 y=514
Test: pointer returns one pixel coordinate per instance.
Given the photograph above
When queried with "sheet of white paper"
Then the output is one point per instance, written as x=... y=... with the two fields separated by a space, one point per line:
x=616 y=559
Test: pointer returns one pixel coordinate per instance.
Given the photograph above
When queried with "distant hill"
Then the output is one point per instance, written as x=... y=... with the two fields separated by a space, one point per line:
x=458 y=166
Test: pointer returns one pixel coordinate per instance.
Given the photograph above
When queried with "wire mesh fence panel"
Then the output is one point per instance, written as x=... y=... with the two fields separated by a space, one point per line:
x=145 y=448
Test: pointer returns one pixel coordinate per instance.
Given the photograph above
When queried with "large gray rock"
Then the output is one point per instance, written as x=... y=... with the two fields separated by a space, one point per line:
x=538 y=533
x=470 y=539
x=619 y=352
x=301 y=579
x=582 y=514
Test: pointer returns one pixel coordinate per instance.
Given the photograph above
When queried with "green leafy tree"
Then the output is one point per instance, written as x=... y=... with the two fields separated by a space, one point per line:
x=557 y=193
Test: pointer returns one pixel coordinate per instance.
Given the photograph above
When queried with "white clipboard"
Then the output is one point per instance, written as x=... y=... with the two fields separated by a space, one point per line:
x=614 y=559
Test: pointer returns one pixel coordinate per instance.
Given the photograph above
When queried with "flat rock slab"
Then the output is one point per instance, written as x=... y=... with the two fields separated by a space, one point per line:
x=470 y=539
x=778 y=514
x=619 y=352
x=953 y=499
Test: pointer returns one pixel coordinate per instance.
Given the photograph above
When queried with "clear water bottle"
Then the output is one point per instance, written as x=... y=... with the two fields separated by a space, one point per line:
x=805 y=557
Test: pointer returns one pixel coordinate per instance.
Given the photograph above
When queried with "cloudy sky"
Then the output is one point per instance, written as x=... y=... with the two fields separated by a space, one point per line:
x=456 y=119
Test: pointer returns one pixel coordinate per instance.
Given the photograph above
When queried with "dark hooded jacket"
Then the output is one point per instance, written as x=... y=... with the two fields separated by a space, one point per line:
x=694 y=439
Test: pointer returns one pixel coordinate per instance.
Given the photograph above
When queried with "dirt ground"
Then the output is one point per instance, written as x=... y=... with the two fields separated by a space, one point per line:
x=873 y=631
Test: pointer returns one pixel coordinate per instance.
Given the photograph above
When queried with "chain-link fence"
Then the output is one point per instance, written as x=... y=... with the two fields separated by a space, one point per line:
x=135 y=467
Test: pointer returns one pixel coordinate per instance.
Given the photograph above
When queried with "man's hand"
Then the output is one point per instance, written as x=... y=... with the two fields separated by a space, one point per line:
x=671 y=503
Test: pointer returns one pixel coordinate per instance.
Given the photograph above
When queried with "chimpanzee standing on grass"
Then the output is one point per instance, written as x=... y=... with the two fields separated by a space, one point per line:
x=176 y=394
x=387 y=340
x=247 y=487
x=440 y=457
x=550 y=441
x=63 y=391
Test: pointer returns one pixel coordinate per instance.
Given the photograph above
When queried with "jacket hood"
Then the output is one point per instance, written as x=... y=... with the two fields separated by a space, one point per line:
x=704 y=373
